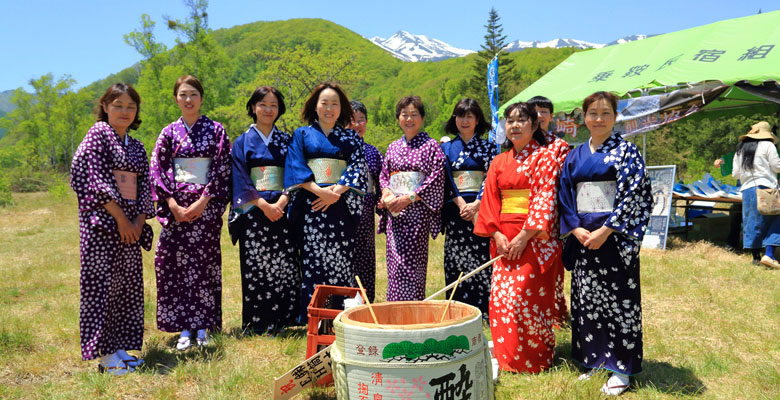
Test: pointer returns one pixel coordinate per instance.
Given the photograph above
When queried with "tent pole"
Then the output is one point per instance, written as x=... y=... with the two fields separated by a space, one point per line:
x=644 y=146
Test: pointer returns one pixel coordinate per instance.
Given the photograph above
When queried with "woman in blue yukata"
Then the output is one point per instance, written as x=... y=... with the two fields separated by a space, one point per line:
x=270 y=269
x=325 y=174
x=605 y=204
x=468 y=158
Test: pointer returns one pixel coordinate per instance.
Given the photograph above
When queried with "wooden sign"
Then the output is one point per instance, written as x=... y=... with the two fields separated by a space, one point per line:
x=306 y=374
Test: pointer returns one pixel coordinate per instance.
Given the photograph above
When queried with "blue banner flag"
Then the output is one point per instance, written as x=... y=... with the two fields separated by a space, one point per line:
x=492 y=87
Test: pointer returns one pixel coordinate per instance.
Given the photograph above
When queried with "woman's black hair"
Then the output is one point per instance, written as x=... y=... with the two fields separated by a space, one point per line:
x=258 y=95
x=309 y=112
x=529 y=111
x=747 y=150
x=358 y=106
x=464 y=106
x=112 y=93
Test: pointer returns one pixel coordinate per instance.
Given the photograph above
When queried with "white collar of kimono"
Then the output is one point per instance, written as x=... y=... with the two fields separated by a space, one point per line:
x=266 y=139
x=187 y=127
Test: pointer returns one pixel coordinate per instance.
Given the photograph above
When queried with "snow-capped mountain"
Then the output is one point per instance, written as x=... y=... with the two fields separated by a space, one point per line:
x=410 y=47
x=630 y=38
x=555 y=43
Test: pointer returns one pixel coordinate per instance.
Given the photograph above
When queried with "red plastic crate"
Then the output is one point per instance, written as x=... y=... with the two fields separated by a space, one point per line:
x=318 y=313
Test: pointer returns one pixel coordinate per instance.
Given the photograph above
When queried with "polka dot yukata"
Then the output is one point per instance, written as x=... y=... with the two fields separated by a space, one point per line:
x=326 y=239
x=270 y=268
x=365 y=240
x=407 y=234
x=560 y=149
x=463 y=250
x=522 y=297
x=111 y=312
x=606 y=301
x=188 y=260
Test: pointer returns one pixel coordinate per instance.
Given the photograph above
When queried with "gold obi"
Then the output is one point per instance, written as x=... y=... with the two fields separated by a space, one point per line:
x=327 y=170
x=127 y=184
x=192 y=169
x=269 y=178
x=468 y=181
x=515 y=201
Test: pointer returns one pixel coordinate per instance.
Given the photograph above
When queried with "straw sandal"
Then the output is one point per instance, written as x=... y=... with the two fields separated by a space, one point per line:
x=615 y=385
x=133 y=361
x=769 y=262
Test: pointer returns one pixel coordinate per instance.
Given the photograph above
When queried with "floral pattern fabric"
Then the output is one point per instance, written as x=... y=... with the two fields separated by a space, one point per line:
x=560 y=149
x=522 y=301
x=188 y=259
x=270 y=268
x=111 y=308
x=606 y=308
x=365 y=240
x=463 y=250
x=407 y=233
x=326 y=239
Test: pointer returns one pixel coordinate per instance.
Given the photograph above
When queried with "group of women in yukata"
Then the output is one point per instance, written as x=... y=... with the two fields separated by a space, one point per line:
x=302 y=211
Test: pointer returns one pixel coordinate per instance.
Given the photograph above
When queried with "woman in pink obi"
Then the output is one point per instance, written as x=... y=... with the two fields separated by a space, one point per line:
x=110 y=175
x=190 y=171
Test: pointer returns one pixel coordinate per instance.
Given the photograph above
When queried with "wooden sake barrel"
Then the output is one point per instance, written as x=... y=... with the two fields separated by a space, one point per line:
x=410 y=354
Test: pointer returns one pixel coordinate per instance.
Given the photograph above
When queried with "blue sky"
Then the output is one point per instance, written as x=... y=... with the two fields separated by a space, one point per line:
x=84 y=38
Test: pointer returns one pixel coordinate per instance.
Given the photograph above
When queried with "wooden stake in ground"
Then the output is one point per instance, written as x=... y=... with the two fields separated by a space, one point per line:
x=365 y=297
x=447 y=307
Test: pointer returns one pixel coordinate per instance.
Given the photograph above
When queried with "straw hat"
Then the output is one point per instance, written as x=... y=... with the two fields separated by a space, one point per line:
x=761 y=130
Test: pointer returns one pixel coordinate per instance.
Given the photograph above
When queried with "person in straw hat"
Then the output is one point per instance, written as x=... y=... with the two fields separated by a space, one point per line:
x=756 y=164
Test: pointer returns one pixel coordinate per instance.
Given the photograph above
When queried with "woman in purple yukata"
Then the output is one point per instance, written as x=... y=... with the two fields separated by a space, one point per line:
x=190 y=169
x=468 y=158
x=365 y=239
x=325 y=173
x=270 y=273
x=412 y=182
x=605 y=204
x=110 y=175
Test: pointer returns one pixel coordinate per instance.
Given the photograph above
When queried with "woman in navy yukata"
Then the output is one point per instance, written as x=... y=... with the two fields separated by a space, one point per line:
x=270 y=272
x=605 y=205
x=365 y=240
x=190 y=170
x=468 y=158
x=325 y=174
x=110 y=175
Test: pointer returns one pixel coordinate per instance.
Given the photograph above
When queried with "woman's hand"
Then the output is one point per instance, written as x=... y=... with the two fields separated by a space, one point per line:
x=271 y=211
x=502 y=243
x=325 y=197
x=469 y=210
x=581 y=234
x=516 y=247
x=178 y=211
x=195 y=209
x=719 y=162
x=127 y=231
x=398 y=204
x=598 y=237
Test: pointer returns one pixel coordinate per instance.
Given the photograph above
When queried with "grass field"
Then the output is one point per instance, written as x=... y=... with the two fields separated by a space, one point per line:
x=711 y=327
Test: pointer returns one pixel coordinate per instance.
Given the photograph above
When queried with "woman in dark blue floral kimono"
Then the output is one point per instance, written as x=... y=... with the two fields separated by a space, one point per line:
x=325 y=173
x=270 y=271
x=468 y=158
x=605 y=204
x=365 y=239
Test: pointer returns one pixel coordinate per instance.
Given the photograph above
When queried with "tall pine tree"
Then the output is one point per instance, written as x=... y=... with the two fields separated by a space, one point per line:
x=495 y=41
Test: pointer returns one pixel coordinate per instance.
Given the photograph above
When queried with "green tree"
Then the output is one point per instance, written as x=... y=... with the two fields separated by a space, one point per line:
x=494 y=44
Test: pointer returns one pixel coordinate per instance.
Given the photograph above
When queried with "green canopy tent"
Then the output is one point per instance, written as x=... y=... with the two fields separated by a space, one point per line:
x=724 y=67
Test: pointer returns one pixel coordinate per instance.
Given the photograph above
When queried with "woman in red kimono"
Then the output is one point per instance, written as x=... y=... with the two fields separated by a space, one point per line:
x=517 y=212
